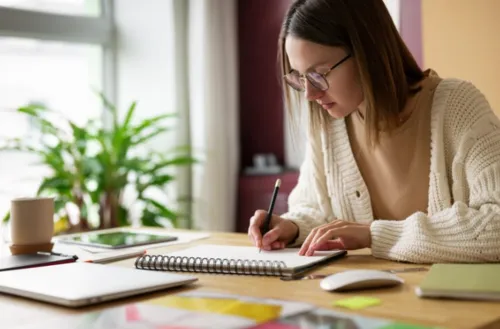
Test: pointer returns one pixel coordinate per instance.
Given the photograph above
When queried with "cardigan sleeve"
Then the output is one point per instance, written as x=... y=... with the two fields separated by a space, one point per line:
x=308 y=203
x=469 y=229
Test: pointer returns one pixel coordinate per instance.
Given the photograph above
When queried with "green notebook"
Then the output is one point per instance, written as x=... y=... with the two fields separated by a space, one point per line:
x=462 y=281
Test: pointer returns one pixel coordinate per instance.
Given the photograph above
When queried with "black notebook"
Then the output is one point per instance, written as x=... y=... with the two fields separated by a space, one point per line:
x=16 y=262
x=236 y=260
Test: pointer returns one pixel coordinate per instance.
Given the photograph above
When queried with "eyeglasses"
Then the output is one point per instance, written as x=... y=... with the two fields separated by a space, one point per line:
x=318 y=80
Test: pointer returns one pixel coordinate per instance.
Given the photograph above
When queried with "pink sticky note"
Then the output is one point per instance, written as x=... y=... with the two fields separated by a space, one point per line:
x=132 y=313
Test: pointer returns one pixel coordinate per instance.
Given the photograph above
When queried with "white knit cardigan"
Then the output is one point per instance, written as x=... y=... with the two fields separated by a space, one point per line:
x=462 y=223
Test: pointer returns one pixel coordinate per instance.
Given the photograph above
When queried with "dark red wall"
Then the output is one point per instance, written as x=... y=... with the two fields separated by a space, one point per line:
x=261 y=105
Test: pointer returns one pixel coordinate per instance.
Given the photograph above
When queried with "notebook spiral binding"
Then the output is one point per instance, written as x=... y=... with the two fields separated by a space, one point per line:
x=210 y=265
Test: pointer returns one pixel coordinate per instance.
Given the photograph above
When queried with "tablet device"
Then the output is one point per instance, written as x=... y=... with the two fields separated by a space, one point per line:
x=116 y=239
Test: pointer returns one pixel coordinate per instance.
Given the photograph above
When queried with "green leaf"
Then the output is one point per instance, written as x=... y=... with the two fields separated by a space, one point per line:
x=60 y=203
x=58 y=184
x=81 y=137
x=160 y=180
x=137 y=164
x=129 y=115
x=6 y=218
x=122 y=216
x=55 y=161
x=151 y=135
x=33 y=110
x=147 y=123
x=161 y=210
x=149 y=218
x=46 y=126
x=178 y=161
x=122 y=148
x=91 y=167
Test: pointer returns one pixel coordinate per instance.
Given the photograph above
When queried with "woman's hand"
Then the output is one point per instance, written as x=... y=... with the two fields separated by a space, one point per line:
x=281 y=231
x=338 y=234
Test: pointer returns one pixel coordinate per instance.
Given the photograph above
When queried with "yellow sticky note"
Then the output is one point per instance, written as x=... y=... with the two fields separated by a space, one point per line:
x=357 y=302
x=254 y=311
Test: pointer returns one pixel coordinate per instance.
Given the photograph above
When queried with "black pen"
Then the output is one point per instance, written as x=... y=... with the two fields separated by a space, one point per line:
x=51 y=253
x=267 y=220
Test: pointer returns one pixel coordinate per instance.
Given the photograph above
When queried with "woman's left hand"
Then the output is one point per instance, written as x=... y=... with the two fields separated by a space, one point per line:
x=338 y=234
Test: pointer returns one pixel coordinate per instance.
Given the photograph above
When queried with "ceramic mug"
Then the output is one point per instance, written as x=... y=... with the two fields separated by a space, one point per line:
x=32 y=221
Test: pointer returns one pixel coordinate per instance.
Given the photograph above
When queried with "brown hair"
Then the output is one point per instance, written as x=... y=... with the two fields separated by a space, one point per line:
x=387 y=69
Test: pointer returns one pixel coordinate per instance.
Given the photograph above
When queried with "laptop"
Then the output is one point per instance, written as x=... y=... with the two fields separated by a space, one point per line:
x=82 y=284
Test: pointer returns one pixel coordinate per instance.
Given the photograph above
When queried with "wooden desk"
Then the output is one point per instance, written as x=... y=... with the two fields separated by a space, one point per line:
x=399 y=303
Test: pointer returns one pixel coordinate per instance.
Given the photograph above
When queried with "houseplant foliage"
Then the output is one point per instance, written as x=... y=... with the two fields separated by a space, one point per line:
x=93 y=165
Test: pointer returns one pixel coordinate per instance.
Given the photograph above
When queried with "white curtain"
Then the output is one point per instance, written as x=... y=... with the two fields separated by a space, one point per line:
x=208 y=90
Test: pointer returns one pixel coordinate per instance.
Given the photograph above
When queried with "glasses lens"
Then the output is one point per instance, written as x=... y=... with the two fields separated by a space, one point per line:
x=294 y=81
x=317 y=80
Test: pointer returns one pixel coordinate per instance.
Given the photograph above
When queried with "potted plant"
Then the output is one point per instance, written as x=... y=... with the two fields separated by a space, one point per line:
x=93 y=165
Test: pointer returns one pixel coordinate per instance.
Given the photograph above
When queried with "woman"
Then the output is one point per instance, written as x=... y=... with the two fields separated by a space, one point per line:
x=398 y=160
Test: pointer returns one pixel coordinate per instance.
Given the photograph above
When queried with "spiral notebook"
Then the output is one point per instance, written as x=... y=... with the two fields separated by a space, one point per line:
x=224 y=259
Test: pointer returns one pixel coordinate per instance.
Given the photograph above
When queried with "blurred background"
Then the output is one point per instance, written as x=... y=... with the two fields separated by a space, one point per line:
x=209 y=134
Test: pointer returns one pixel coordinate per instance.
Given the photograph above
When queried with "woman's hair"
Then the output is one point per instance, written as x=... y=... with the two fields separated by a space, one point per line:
x=387 y=70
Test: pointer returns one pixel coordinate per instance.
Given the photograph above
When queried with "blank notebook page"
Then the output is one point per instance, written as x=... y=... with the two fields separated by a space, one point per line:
x=289 y=256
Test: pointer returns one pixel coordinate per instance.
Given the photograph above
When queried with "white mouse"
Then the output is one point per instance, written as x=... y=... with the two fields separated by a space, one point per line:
x=359 y=279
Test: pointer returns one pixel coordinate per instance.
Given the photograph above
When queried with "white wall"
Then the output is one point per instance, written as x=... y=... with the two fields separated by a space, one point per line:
x=145 y=59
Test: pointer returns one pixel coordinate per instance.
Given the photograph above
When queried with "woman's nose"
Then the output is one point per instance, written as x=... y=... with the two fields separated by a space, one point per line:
x=312 y=93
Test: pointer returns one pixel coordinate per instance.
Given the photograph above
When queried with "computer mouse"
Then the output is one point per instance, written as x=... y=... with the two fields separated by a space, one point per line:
x=359 y=279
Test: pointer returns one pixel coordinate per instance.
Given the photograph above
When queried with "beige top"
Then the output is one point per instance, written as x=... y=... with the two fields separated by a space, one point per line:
x=396 y=171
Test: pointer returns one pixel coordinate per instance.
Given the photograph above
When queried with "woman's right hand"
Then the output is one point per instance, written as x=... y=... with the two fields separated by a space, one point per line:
x=281 y=231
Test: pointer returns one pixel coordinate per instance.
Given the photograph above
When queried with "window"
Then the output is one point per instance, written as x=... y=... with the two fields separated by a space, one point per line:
x=54 y=52
x=58 y=75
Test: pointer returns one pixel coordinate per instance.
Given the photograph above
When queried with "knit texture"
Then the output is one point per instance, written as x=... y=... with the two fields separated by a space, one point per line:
x=462 y=223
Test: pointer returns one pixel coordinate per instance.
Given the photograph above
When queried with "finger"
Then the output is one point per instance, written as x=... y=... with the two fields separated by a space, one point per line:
x=331 y=245
x=307 y=242
x=271 y=236
x=329 y=236
x=319 y=232
x=255 y=224
x=325 y=236
x=322 y=230
x=254 y=233
x=277 y=245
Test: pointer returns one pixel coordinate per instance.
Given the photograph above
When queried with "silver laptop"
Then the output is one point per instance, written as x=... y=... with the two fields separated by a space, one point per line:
x=82 y=284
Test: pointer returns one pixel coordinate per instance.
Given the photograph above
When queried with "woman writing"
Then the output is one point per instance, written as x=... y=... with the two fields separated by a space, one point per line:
x=398 y=159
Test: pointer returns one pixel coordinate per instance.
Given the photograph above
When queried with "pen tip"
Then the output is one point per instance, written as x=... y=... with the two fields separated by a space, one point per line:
x=278 y=182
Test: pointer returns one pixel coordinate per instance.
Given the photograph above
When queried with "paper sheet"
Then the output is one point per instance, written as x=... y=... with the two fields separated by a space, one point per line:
x=289 y=256
x=257 y=312
x=197 y=310
x=101 y=255
x=158 y=314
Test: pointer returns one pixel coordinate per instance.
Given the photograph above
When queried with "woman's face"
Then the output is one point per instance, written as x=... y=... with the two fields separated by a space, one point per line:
x=344 y=94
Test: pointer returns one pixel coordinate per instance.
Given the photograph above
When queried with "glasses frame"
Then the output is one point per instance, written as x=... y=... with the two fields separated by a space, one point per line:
x=323 y=75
